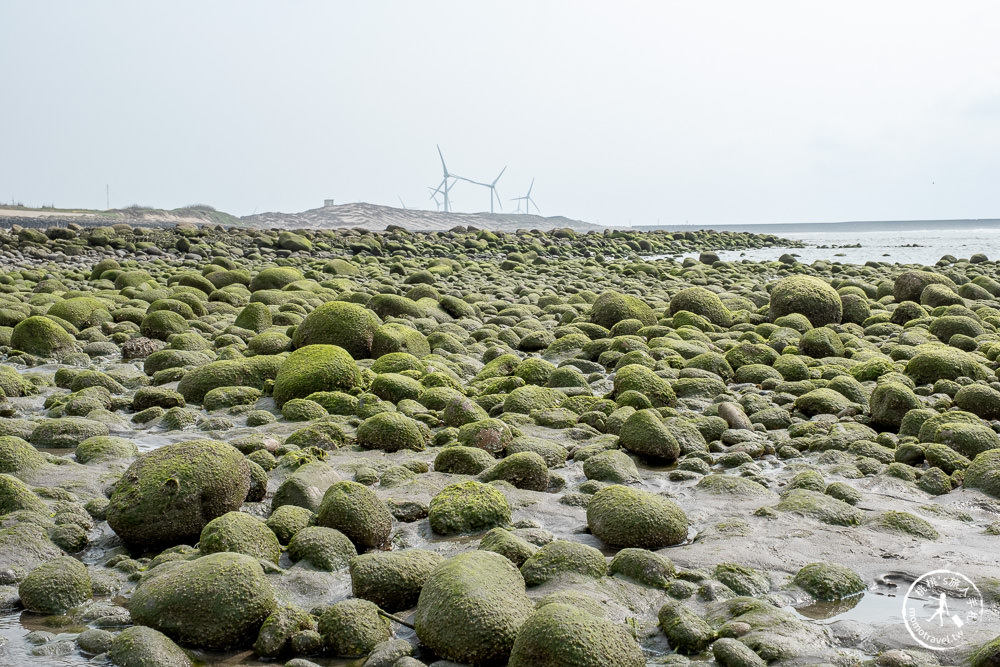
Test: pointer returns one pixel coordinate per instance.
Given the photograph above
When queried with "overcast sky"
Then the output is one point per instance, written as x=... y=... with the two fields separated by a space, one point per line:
x=705 y=112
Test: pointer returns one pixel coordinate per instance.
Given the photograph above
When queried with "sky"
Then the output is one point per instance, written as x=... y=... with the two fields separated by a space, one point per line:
x=665 y=112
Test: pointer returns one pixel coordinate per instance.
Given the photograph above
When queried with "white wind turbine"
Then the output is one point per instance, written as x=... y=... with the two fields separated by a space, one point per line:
x=528 y=201
x=444 y=187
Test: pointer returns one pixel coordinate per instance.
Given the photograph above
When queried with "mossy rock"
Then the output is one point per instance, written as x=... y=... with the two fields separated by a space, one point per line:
x=394 y=387
x=643 y=567
x=215 y=602
x=287 y=520
x=42 y=337
x=169 y=494
x=643 y=433
x=352 y=628
x=625 y=517
x=147 y=397
x=357 y=512
x=561 y=557
x=460 y=460
x=821 y=342
x=823 y=402
x=55 y=586
x=315 y=368
x=514 y=548
x=105 y=448
x=613 y=466
x=275 y=636
x=890 y=401
x=525 y=470
x=904 y=523
x=393 y=432
x=561 y=635
x=530 y=398
x=240 y=533
x=346 y=325
x=743 y=580
x=984 y=473
x=829 y=582
x=66 y=432
x=701 y=301
x=610 y=308
x=302 y=410
x=221 y=398
x=396 y=337
x=275 y=278
x=820 y=507
x=491 y=435
x=162 y=324
x=252 y=372
x=254 y=316
x=468 y=507
x=931 y=364
x=808 y=296
x=635 y=377
x=988 y=655
x=687 y=632
x=18 y=456
x=139 y=646
x=719 y=484
x=323 y=548
x=392 y=579
x=472 y=607
x=306 y=486
x=909 y=285
x=82 y=311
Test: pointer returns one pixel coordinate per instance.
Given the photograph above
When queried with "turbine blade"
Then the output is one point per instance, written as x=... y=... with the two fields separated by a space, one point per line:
x=499 y=175
x=442 y=161
x=531 y=186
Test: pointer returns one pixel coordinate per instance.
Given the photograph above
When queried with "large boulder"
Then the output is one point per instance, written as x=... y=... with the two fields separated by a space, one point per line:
x=140 y=646
x=468 y=507
x=808 y=296
x=242 y=533
x=168 y=495
x=215 y=602
x=357 y=512
x=701 y=301
x=392 y=579
x=471 y=608
x=41 y=337
x=346 y=325
x=909 y=285
x=55 y=586
x=315 y=368
x=560 y=635
x=251 y=372
x=621 y=516
x=984 y=473
x=611 y=308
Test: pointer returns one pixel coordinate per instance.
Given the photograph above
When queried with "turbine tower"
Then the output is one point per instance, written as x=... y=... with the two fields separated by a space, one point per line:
x=528 y=201
x=492 y=187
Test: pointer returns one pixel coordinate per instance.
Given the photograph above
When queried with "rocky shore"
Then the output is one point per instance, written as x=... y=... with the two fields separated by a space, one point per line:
x=394 y=448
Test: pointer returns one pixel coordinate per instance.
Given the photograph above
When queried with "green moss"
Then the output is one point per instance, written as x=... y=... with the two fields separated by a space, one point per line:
x=515 y=549
x=392 y=432
x=357 y=512
x=560 y=557
x=392 y=579
x=829 y=581
x=612 y=466
x=339 y=323
x=904 y=523
x=287 y=520
x=323 y=548
x=221 y=398
x=468 y=507
x=687 y=632
x=561 y=635
x=41 y=337
x=139 y=646
x=719 y=484
x=18 y=456
x=820 y=507
x=216 y=602
x=105 y=448
x=808 y=296
x=253 y=372
x=641 y=379
x=525 y=470
x=302 y=410
x=463 y=460
x=644 y=433
x=644 y=567
x=240 y=533
x=471 y=608
x=701 y=301
x=278 y=629
x=66 y=432
x=275 y=278
x=315 y=368
x=909 y=285
x=743 y=580
x=395 y=337
x=625 y=517
x=610 y=308
x=933 y=363
x=169 y=494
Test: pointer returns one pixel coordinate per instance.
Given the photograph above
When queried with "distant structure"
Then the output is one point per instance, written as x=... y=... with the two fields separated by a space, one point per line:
x=528 y=201
x=444 y=188
x=327 y=203
x=493 y=188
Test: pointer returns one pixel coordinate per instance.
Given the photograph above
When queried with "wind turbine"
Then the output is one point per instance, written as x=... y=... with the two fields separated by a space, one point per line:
x=445 y=187
x=492 y=186
x=528 y=201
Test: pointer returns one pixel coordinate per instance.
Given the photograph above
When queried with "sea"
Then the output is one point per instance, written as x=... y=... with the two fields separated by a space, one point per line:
x=857 y=243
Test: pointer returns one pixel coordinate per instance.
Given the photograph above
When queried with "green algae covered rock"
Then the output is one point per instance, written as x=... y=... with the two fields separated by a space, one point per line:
x=611 y=308
x=17 y=455
x=357 y=512
x=560 y=635
x=890 y=401
x=41 y=337
x=395 y=337
x=392 y=579
x=636 y=377
x=215 y=602
x=139 y=646
x=909 y=285
x=472 y=607
x=55 y=586
x=278 y=629
x=904 y=523
x=935 y=363
x=808 y=296
x=984 y=473
x=820 y=507
x=516 y=549
x=16 y=495
x=250 y=372
x=460 y=460
x=315 y=368
x=392 y=432
x=701 y=301
x=491 y=435
x=66 y=432
x=346 y=325
x=686 y=631
x=352 y=628
x=625 y=517
x=323 y=548
x=644 y=433
x=169 y=494
x=988 y=654
x=643 y=566
x=468 y=507
x=829 y=581
x=525 y=470
x=561 y=557
x=240 y=533
x=275 y=278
